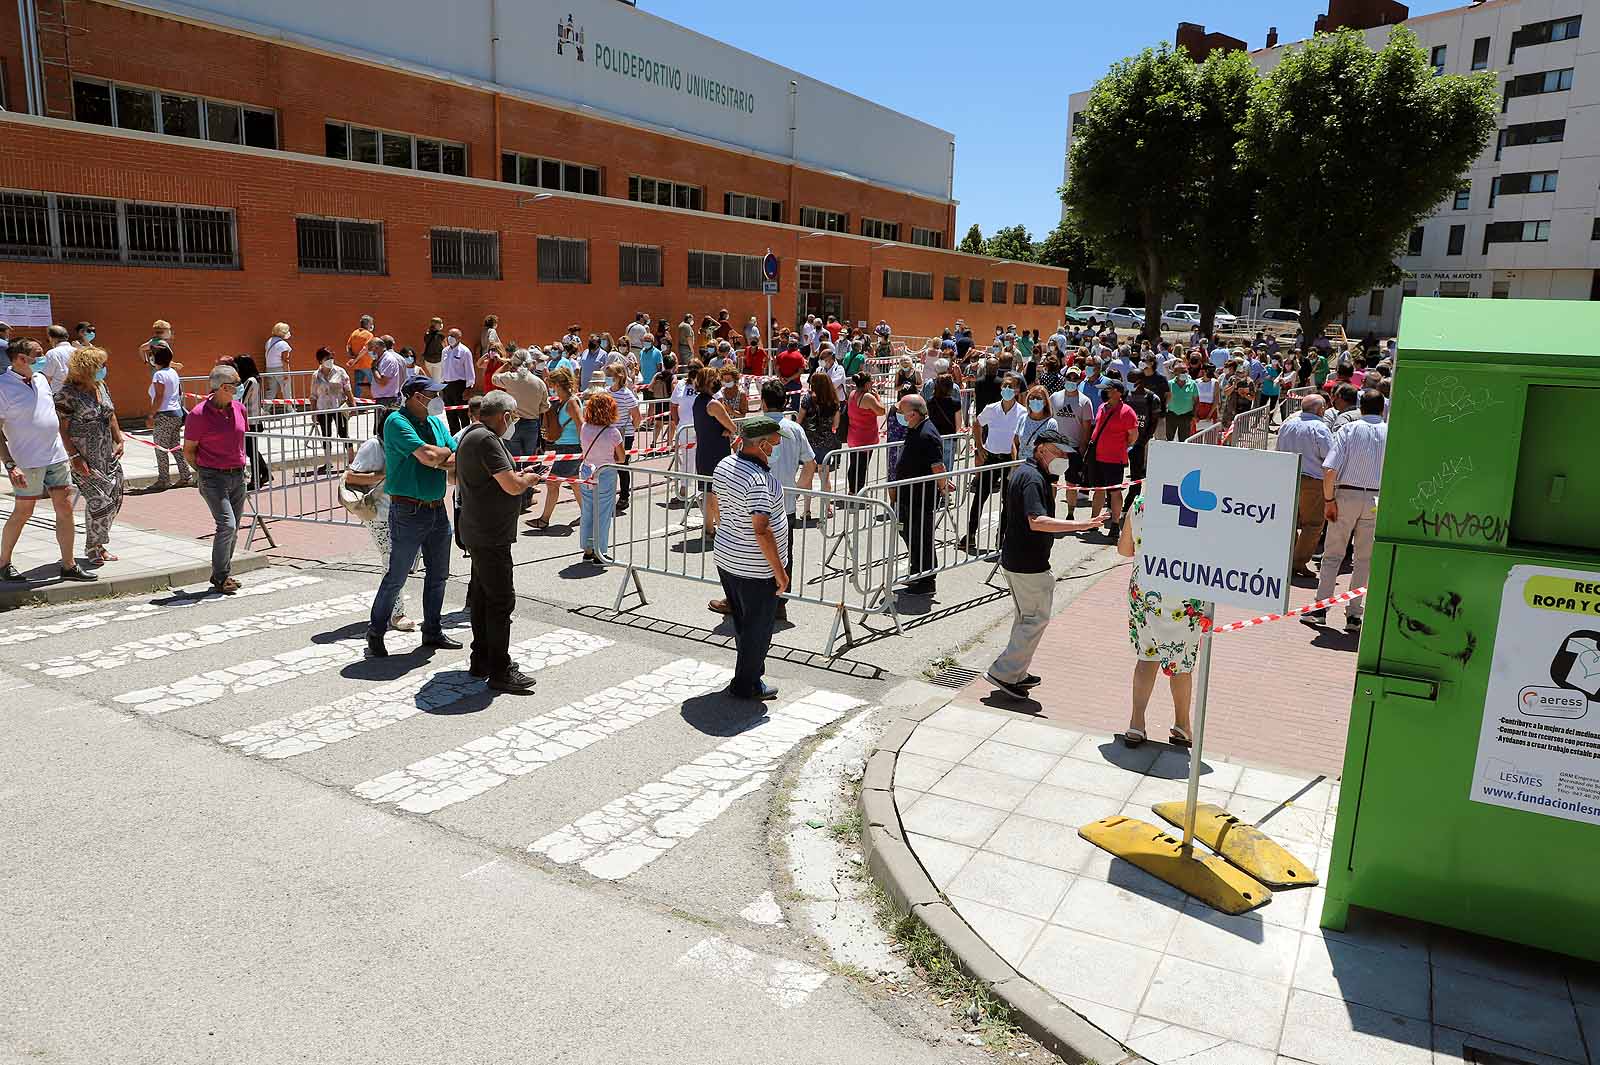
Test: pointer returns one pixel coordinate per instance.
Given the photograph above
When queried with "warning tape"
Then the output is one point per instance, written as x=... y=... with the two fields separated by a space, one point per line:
x=1321 y=604
x=151 y=444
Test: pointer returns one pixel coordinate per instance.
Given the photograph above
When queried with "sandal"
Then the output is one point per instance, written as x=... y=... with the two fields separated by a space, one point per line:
x=538 y=523
x=1180 y=738
x=1133 y=737
x=101 y=555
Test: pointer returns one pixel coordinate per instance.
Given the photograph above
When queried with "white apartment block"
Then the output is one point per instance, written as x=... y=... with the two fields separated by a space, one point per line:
x=1528 y=227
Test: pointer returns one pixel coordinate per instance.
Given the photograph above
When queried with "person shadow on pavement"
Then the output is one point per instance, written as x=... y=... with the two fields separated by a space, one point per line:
x=720 y=714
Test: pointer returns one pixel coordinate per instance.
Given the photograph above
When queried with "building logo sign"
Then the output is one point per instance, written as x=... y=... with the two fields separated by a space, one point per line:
x=569 y=40
x=1189 y=498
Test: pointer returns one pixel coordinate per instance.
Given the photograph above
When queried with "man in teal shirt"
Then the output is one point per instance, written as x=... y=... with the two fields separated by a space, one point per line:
x=417 y=450
x=1180 y=403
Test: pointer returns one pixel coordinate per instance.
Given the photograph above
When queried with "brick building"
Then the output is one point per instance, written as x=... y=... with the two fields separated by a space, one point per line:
x=244 y=162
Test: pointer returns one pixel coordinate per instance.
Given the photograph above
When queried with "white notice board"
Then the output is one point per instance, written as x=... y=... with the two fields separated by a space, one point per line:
x=1219 y=524
x=25 y=309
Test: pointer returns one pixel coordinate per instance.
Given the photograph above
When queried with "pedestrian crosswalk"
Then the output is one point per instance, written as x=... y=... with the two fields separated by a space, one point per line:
x=604 y=733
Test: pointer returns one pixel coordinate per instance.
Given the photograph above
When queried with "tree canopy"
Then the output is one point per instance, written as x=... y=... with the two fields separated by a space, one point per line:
x=1065 y=247
x=1333 y=215
x=972 y=243
x=1011 y=242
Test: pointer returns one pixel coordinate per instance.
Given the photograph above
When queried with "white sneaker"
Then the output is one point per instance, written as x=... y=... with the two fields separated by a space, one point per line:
x=401 y=623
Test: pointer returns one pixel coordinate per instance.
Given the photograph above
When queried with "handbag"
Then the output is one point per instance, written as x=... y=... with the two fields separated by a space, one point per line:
x=550 y=423
x=360 y=502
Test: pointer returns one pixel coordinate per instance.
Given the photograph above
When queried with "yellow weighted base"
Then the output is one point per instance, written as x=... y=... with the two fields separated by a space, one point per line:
x=1204 y=876
x=1245 y=846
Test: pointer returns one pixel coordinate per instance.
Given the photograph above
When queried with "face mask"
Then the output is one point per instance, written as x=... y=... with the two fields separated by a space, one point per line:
x=901 y=418
x=411 y=360
x=1059 y=467
x=1036 y=405
x=38 y=365
x=1008 y=393
x=100 y=374
x=1072 y=388
x=511 y=423
x=88 y=338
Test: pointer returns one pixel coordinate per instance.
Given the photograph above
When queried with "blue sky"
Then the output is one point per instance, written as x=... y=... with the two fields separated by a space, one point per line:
x=996 y=75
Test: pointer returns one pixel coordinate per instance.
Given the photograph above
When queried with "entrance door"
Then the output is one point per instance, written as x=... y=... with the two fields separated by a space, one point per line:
x=808 y=290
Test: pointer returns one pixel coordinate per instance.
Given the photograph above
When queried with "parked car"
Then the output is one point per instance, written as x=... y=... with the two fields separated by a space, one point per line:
x=1281 y=314
x=1125 y=318
x=1183 y=321
x=1223 y=319
x=1086 y=315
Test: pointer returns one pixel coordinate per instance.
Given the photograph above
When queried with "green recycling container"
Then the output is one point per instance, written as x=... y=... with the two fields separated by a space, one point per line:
x=1471 y=788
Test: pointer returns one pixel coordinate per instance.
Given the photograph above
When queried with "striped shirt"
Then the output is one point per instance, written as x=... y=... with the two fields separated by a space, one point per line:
x=745 y=487
x=626 y=403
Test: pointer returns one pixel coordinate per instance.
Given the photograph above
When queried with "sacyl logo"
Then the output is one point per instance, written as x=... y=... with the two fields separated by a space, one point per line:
x=1189 y=498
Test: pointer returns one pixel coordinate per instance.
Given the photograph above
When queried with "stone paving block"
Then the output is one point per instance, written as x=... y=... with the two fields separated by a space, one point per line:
x=976 y=957
x=965 y=719
x=1499 y=960
x=1450 y=1046
x=1012 y=761
x=1040 y=842
x=1329 y=1031
x=919 y=772
x=1214 y=773
x=1059 y=1029
x=1065 y=806
x=1395 y=982
x=1068 y=962
x=1096 y=778
x=1113 y=1022
x=1163 y=1042
x=1539 y=1020
x=983 y=787
x=1244 y=944
x=1022 y=887
x=1009 y=934
x=1113 y=912
x=940 y=858
x=1224 y=1003
x=1038 y=736
x=959 y=822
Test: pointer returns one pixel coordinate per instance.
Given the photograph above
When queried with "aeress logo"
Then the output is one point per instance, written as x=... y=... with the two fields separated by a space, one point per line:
x=1189 y=498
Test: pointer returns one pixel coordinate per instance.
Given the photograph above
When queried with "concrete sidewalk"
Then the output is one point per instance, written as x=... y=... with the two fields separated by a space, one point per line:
x=989 y=802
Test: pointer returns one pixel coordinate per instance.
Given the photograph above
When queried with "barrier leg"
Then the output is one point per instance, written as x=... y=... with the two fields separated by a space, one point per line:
x=622 y=590
x=841 y=621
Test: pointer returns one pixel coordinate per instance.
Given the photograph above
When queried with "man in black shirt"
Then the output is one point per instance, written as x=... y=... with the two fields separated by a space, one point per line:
x=1031 y=529
x=1149 y=407
x=490 y=490
x=921 y=454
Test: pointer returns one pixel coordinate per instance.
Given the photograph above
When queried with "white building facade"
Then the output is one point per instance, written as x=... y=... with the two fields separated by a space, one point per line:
x=1528 y=225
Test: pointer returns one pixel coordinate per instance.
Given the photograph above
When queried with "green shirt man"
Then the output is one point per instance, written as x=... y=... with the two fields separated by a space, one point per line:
x=403 y=475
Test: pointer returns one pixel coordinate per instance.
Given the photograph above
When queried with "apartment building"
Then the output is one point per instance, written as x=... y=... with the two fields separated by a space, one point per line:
x=228 y=164
x=1527 y=224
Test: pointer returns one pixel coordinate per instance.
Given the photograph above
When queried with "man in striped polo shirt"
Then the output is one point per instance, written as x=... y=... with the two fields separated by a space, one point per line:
x=751 y=545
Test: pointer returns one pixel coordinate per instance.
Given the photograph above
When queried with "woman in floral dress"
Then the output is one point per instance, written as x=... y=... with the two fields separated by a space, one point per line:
x=1165 y=632
x=89 y=423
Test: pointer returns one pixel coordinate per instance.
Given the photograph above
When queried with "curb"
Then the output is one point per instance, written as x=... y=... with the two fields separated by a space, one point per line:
x=1064 y=1033
x=20 y=595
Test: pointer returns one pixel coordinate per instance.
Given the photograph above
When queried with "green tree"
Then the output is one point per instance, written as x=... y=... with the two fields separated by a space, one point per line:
x=1333 y=218
x=1125 y=193
x=1066 y=248
x=1012 y=242
x=1222 y=256
x=972 y=243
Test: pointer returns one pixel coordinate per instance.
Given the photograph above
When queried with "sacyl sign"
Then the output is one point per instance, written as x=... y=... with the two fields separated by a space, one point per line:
x=1219 y=524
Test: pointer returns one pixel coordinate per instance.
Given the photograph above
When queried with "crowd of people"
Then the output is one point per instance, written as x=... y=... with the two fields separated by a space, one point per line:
x=1079 y=406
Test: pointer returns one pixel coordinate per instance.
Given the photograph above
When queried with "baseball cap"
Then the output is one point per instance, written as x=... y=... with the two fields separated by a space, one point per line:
x=1049 y=436
x=758 y=428
x=420 y=382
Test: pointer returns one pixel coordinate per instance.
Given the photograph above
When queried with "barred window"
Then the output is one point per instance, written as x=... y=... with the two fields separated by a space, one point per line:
x=725 y=270
x=998 y=292
x=666 y=193
x=339 y=246
x=746 y=206
x=90 y=229
x=1019 y=294
x=975 y=290
x=638 y=264
x=540 y=173
x=928 y=238
x=880 y=230
x=465 y=253
x=907 y=285
x=1047 y=295
x=832 y=221
x=952 y=288
x=563 y=261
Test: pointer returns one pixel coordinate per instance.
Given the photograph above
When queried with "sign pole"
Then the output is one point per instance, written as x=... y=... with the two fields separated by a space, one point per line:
x=1202 y=680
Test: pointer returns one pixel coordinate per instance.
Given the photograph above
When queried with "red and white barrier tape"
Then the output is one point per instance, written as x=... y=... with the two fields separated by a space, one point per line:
x=151 y=444
x=1321 y=604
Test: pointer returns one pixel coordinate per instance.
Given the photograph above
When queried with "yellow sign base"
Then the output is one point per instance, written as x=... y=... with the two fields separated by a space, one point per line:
x=1204 y=876
x=1245 y=846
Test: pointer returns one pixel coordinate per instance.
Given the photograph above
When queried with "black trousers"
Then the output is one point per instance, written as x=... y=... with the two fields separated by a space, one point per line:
x=491 y=599
x=985 y=485
x=455 y=394
x=916 y=529
x=856 y=471
x=624 y=479
x=753 y=604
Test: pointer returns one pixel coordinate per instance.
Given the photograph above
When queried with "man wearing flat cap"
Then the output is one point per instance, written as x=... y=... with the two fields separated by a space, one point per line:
x=751 y=545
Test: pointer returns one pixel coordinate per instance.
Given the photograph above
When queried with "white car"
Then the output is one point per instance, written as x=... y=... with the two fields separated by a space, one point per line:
x=1086 y=315
x=1182 y=321
x=1223 y=319
x=1125 y=317
x=1281 y=314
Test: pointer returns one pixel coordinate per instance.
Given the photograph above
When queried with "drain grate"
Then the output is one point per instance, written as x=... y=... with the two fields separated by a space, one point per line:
x=1479 y=1056
x=955 y=677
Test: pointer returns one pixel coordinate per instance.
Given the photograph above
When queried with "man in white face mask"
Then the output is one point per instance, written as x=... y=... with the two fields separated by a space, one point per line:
x=490 y=489
x=1031 y=531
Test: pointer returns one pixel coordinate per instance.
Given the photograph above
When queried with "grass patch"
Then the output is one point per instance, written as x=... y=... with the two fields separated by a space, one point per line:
x=933 y=668
x=971 y=1000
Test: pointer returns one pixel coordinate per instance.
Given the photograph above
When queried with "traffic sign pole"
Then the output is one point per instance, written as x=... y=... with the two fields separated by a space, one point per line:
x=769 y=266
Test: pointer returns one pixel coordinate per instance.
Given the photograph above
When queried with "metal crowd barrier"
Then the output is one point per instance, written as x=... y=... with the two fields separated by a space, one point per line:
x=652 y=538
x=947 y=521
x=875 y=460
x=302 y=483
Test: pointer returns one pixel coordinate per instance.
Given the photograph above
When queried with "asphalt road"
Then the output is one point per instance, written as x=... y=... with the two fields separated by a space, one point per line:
x=231 y=838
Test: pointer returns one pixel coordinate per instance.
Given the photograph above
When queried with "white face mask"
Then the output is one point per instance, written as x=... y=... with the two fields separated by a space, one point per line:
x=1058 y=467
x=511 y=423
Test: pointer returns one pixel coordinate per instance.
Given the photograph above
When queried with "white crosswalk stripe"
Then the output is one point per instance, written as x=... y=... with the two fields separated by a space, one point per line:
x=629 y=833
x=487 y=762
x=787 y=983
x=259 y=673
x=398 y=700
x=200 y=636
x=95 y=619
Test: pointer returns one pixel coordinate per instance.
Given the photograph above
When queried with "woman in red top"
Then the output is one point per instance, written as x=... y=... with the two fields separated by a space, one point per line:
x=864 y=408
x=1116 y=428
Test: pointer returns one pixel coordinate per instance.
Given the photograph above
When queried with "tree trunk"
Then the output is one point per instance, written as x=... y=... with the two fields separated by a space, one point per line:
x=1321 y=316
x=1208 y=317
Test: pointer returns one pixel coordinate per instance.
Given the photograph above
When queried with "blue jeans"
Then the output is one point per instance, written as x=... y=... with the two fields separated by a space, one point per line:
x=524 y=439
x=414 y=529
x=223 y=491
x=598 y=502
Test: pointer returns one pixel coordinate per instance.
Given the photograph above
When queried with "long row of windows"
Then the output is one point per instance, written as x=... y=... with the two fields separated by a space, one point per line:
x=343 y=140
x=907 y=285
x=1551 y=131
x=91 y=229
x=1561 y=29
x=1537 y=84
x=108 y=103
x=541 y=173
x=1515 y=232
